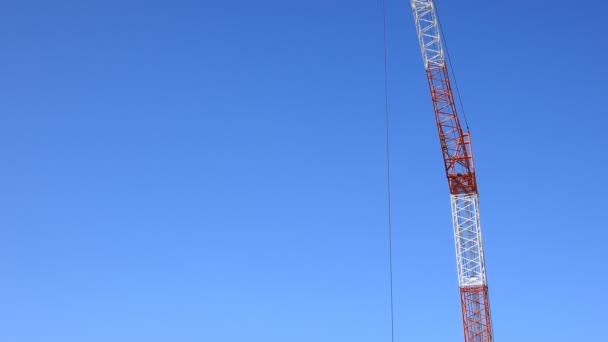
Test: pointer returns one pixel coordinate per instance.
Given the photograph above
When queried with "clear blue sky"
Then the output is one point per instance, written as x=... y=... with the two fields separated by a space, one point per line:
x=215 y=171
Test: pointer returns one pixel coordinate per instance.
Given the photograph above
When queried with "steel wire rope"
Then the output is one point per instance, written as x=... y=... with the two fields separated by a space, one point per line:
x=388 y=172
x=449 y=59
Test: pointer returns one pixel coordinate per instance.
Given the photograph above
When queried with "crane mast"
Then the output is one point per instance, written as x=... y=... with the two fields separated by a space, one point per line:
x=460 y=172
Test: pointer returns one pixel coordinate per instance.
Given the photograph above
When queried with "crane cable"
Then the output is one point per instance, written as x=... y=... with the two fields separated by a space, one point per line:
x=447 y=51
x=388 y=173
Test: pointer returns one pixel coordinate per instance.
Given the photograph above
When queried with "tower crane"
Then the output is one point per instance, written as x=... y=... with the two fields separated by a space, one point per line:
x=460 y=172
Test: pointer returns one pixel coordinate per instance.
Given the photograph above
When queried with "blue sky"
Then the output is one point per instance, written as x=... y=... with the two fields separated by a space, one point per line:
x=215 y=171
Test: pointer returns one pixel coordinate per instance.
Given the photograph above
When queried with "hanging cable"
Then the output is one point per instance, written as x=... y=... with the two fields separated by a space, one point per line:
x=388 y=173
x=447 y=51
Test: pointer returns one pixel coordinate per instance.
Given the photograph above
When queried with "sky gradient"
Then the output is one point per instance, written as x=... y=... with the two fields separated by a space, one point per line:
x=215 y=171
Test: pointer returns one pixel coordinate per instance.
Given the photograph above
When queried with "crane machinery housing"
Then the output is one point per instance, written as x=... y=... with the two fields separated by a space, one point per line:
x=460 y=172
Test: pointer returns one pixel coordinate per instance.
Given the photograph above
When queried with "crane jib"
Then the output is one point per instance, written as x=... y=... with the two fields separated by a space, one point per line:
x=455 y=144
x=460 y=172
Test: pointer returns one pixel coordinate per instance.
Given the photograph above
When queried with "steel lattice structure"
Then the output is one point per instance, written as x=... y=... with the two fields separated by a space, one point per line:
x=460 y=172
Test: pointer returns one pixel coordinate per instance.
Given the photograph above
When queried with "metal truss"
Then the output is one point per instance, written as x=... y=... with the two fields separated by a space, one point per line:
x=476 y=314
x=460 y=172
x=455 y=144
x=467 y=238
x=428 y=33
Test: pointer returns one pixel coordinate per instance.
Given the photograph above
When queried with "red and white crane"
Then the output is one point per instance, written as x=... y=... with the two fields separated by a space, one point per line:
x=460 y=171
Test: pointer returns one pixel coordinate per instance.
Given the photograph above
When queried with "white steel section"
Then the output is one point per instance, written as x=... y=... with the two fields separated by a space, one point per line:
x=428 y=33
x=467 y=238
